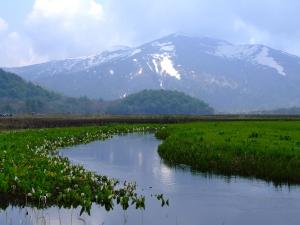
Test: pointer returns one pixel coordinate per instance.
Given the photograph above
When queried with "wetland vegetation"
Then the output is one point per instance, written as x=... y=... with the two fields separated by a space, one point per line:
x=269 y=150
x=32 y=173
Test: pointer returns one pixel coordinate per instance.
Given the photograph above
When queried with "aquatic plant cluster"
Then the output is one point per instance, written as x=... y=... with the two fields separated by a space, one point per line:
x=33 y=173
x=269 y=150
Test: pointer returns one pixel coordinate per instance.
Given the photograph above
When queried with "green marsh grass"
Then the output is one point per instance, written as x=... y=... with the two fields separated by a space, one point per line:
x=32 y=172
x=269 y=150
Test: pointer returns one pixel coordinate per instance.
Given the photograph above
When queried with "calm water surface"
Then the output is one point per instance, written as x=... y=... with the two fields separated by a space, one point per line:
x=195 y=199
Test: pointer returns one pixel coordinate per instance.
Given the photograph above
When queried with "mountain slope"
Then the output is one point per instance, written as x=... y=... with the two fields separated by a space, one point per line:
x=160 y=102
x=231 y=78
x=18 y=96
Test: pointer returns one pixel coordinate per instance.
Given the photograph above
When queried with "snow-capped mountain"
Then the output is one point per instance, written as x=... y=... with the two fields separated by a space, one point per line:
x=231 y=78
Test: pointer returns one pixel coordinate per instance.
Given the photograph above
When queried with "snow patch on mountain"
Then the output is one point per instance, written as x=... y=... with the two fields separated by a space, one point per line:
x=263 y=58
x=168 y=68
x=123 y=95
x=165 y=46
x=140 y=72
x=155 y=65
x=161 y=83
x=164 y=65
x=219 y=81
x=115 y=48
x=159 y=44
x=109 y=56
x=168 y=48
x=149 y=66
x=256 y=54
x=134 y=52
x=87 y=62
x=235 y=52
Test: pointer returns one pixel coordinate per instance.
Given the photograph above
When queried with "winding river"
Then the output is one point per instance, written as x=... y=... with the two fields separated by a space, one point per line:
x=195 y=198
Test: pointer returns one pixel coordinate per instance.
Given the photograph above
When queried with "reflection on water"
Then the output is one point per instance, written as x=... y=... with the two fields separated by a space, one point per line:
x=56 y=216
x=195 y=198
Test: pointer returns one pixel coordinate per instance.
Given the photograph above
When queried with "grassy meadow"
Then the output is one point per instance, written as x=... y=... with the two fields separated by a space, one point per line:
x=269 y=150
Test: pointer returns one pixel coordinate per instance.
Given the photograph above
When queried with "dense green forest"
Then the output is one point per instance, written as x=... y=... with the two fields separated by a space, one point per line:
x=19 y=96
x=160 y=102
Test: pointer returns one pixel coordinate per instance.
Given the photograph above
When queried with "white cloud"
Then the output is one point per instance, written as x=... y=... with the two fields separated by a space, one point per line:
x=16 y=50
x=58 y=29
x=67 y=28
x=3 y=25
x=64 y=9
x=251 y=33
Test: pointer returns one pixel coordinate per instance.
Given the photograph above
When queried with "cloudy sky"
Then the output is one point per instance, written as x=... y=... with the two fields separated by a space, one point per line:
x=33 y=31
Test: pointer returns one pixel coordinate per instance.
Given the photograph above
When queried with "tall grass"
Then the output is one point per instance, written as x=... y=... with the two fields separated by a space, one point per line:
x=268 y=150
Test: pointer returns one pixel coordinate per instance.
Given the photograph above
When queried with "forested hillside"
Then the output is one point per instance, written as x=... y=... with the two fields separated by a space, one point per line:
x=160 y=102
x=19 y=96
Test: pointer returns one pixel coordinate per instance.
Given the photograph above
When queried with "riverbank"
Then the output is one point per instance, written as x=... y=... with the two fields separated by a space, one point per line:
x=32 y=173
x=269 y=150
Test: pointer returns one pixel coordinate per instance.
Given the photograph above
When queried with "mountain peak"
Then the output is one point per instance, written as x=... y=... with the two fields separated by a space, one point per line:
x=115 y=48
x=229 y=77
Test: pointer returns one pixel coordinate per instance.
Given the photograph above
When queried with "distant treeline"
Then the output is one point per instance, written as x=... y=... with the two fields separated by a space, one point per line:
x=18 y=96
